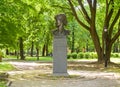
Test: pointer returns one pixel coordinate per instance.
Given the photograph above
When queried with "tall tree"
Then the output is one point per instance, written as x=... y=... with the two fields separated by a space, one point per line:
x=112 y=15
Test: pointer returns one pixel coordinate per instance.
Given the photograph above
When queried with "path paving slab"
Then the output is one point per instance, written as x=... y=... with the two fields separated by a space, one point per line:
x=29 y=75
x=84 y=82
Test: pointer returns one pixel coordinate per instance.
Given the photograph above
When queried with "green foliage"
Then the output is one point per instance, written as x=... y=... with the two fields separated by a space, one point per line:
x=74 y=55
x=34 y=20
x=80 y=55
x=115 y=55
x=1 y=54
x=69 y=56
x=93 y=55
x=28 y=58
x=40 y=58
x=2 y=83
x=87 y=55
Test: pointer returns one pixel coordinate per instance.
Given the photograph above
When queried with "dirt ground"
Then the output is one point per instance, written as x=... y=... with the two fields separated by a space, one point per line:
x=39 y=74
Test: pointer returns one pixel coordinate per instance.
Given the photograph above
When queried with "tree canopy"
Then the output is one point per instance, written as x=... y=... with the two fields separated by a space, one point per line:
x=110 y=19
x=33 y=21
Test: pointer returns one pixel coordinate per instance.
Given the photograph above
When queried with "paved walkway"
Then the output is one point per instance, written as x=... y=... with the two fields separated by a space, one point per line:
x=67 y=83
x=29 y=75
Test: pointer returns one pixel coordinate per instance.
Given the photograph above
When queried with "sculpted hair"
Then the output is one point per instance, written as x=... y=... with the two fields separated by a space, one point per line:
x=62 y=18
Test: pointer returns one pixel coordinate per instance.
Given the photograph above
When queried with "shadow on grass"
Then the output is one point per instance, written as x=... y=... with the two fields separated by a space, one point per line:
x=94 y=66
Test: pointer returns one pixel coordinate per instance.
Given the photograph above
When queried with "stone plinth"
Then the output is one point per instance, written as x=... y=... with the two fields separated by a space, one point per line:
x=60 y=55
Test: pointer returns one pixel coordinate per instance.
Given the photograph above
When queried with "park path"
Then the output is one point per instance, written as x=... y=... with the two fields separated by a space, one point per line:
x=27 y=75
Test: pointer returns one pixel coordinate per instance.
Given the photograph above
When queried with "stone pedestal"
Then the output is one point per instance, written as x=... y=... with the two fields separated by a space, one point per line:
x=60 y=55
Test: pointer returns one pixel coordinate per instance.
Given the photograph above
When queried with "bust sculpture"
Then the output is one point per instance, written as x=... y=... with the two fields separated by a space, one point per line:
x=61 y=21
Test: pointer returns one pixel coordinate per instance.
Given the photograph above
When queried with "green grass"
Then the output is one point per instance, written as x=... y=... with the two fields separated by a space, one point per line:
x=2 y=84
x=11 y=56
x=49 y=59
x=46 y=59
x=6 y=66
x=28 y=58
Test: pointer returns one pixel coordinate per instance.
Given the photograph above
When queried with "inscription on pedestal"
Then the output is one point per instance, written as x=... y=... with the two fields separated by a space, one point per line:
x=60 y=55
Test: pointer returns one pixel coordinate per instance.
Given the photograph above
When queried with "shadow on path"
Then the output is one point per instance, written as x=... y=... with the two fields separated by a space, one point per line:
x=33 y=74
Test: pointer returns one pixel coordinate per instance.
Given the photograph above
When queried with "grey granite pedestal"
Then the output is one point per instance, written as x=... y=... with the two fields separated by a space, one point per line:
x=60 y=55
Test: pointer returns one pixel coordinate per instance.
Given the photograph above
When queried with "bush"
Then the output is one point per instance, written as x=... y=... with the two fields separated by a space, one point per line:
x=115 y=55
x=80 y=55
x=74 y=55
x=1 y=56
x=94 y=55
x=68 y=56
x=112 y=55
x=87 y=55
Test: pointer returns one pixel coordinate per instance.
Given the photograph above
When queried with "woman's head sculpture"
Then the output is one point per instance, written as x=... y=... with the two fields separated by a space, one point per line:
x=61 y=20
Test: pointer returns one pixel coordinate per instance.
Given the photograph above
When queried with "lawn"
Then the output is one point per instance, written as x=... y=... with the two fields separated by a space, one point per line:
x=46 y=59
x=4 y=66
x=2 y=84
x=28 y=58
x=50 y=59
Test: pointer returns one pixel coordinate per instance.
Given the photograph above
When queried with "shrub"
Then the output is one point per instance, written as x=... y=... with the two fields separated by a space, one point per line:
x=80 y=55
x=115 y=55
x=68 y=56
x=74 y=55
x=87 y=55
x=112 y=55
x=1 y=56
x=94 y=55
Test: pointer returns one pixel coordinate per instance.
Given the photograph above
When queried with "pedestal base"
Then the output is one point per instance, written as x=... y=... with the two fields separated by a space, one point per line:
x=60 y=74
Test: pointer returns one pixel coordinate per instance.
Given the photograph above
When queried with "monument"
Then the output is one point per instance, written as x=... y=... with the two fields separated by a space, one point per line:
x=60 y=46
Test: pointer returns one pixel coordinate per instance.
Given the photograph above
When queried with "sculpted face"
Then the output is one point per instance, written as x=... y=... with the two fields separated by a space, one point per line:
x=60 y=20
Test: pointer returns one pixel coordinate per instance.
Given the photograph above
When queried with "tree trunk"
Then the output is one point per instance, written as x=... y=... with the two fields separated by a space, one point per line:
x=87 y=49
x=21 y=49
x=46 y=48
x=103 y=48
x=43 y=50
x=7 y=51
x=37 y=55
x=97 y=45
x=32 y=48
x=15 y=53
x=108 y=48
x=73 y=41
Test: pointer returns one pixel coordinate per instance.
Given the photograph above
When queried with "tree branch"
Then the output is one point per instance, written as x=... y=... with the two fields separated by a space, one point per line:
x=87 y=18
x=76 y=16
x=90 y=4
x=116 y=36
x=109 y=16
x=114 y=22
x=94 y=11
